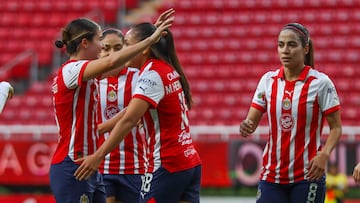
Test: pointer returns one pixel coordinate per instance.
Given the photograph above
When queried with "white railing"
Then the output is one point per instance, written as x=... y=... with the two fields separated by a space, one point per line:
x=34 y=66
x=223 y=133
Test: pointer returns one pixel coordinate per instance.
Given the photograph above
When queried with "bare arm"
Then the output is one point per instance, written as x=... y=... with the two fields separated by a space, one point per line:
x=334 y=122
x=134 y=112
x=109 y=124
x=318 y=164
x=249 y=125
x=116 y=59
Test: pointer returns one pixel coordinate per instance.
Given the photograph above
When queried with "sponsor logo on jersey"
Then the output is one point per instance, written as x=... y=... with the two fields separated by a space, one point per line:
x=143 y=88
x=286 y=122
x=148 y=82
x=184 y=138
x=189 y=152
x=289 y=93
x=110 y=111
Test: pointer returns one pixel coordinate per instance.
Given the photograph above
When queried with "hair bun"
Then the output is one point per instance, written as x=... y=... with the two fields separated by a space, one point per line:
x=59 y=43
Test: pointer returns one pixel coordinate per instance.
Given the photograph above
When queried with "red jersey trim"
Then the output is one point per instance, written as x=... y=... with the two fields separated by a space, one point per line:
x=331 y=110
x=301 y=77
x=258 y=107
x=147 y=99
x=81 y=73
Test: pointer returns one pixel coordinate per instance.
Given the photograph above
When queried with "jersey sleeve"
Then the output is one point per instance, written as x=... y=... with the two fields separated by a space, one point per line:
x=259 y=98
x=134 y=79
x=4 y=93
x=328 y=97
x=150 y=87
x=72 y=73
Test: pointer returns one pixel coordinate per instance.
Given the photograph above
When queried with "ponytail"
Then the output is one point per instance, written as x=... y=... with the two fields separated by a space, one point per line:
x=164 y=49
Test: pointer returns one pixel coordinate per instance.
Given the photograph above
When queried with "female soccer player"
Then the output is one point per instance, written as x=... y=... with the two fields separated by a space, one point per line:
x=122 y=167
x=75 y=99
x=162 y=99
x=297 y=98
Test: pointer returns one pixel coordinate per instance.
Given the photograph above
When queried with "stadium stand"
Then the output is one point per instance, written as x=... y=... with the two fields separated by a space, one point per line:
x=32 y=26
x=224 y=50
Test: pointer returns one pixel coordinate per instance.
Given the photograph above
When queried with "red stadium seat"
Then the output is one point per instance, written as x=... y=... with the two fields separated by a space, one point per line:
x=224 y=51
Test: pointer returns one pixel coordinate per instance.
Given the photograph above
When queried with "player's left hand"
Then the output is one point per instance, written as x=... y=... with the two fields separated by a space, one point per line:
x=317 y=167
x=88 y=167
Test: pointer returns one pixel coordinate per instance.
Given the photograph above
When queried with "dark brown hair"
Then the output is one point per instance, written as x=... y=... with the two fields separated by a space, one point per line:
x=74 y=32
x=113 y=31
x=164 y=49
x=305 y=39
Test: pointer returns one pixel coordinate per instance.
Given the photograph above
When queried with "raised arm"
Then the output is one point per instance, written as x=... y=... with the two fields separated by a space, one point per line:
x=116 y=59
x=164 y=16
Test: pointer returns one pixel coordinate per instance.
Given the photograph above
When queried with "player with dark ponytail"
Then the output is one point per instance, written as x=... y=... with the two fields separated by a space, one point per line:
x=161 y=100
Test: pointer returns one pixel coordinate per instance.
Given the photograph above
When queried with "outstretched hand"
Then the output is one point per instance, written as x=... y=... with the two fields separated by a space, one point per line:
x=161 y=28
x=164 y=16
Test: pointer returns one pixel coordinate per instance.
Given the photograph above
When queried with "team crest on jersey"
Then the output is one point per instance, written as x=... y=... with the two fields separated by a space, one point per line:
x=110 y=111
x=112 y=96
x=286 y=122
x=84 y=199
x=261 y=96
x=286 y=104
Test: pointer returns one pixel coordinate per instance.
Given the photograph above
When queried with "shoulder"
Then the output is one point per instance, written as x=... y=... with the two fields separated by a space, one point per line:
x=270 y=74
x=5 y=84
x=157 y=66
x=74 y=65
x=320 y=76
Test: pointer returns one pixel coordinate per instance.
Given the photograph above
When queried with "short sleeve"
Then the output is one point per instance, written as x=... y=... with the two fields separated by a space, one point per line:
x=150 y=87
x=328 y=97
x=72 y=73
x=134 y=79
x=259 y=98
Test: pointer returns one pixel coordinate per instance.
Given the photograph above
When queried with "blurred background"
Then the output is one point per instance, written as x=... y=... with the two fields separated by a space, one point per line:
x=224 y=46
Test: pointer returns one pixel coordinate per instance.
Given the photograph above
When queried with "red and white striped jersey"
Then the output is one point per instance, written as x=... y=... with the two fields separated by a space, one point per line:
x=114 y=95
x=75 y=112
x=166 y=123
x=296 y=112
